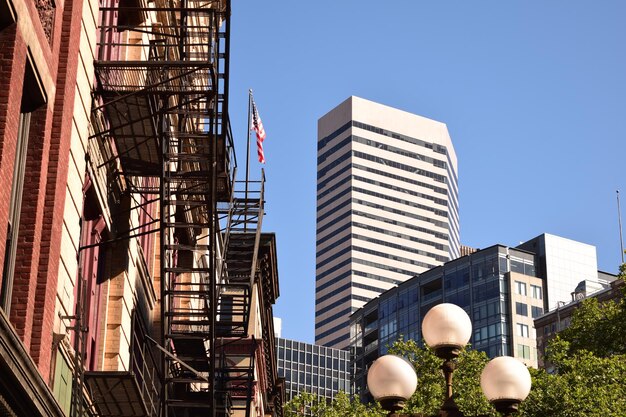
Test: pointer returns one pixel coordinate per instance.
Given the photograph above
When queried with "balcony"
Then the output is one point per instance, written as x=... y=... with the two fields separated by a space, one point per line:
x=134 y=392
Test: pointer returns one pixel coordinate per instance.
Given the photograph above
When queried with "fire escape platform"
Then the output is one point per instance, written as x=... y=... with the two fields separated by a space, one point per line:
x=134 y=133
x=116 y=394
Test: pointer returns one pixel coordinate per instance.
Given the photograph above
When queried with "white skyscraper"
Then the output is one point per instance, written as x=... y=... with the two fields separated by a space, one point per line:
x=387 y=207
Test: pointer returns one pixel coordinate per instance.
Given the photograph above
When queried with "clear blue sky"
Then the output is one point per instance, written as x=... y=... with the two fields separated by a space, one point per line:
x=533 y=93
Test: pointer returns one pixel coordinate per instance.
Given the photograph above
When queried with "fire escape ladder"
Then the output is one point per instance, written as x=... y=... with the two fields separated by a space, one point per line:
x=240 y=259
x=235 y=372
x=161 y=103
x=193 y=136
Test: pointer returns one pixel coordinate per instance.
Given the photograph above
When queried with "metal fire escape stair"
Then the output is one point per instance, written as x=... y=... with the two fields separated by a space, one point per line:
x=165 y=118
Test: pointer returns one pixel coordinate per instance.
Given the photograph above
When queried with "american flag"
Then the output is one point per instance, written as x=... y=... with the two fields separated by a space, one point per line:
x=257 y=126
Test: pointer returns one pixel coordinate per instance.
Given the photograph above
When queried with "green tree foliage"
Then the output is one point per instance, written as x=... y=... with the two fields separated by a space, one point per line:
x=597 y=327
x=306 y=404
x=589 y=363
x=583 y=385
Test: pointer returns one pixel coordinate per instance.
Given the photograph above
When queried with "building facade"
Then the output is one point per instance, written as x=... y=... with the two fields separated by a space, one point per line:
x=564 y=261
x=502 y=289
x=319 y=370
x=387 y=207
x=549 y=324
x=135 y=280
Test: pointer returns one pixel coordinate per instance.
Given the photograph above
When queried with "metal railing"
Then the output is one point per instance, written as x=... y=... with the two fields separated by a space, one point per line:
x=143 y=366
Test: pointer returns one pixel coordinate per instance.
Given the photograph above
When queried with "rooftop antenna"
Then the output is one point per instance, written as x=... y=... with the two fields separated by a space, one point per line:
x=619 y=218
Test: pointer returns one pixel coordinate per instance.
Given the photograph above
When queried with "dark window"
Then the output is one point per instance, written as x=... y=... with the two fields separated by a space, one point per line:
x=503 y=265
x=517 y=266
x=8 y=15
x=521 y=309
x=32 y=98
x=536 y=311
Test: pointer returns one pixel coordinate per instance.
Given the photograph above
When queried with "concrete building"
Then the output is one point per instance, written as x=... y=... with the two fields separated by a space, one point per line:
x=550 y=323
x=126 y=289
x=387 y=207
x=501 y=288
x=565 y=261
x=320 y=370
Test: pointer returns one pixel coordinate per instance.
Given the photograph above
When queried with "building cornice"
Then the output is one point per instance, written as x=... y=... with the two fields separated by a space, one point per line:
x=20 y=374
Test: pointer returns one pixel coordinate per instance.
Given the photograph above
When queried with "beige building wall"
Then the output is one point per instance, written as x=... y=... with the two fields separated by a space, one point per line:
x=119 y=294
x=526 y=291
x=68 y=270
x=386 y=207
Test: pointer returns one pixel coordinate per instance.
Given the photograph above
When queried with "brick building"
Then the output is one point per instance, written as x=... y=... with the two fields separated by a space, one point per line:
x=549 y=324
x=136 y=279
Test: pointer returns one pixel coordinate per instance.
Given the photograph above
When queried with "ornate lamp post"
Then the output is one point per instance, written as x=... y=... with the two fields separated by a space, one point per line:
x=446 y=329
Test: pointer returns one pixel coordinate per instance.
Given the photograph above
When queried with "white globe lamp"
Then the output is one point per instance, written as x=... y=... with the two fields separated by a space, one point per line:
x=446 y=329
x=391 y=381
x=506 y=382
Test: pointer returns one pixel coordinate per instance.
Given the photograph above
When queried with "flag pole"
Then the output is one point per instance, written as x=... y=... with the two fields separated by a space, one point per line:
x=248 y=143
x=619 y=219
x=247 y=158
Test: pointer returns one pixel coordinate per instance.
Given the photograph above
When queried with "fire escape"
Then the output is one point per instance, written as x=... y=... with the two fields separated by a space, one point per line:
x=161 y=101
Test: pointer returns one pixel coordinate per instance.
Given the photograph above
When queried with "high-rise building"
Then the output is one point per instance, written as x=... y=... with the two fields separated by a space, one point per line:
x=387 y=207
x=319 y=370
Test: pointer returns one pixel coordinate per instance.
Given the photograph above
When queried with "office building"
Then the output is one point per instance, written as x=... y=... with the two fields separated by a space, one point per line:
x=387 y=207
x=320 y=370
x=565 y=261
x=126 y=288
x=501 y=288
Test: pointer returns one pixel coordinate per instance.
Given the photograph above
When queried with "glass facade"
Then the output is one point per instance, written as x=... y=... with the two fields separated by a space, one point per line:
x=312 y=368
x=479 y=283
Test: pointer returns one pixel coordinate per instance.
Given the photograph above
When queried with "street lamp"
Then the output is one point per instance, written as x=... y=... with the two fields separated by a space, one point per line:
x=505 y=381
x=446 y=329
x=391 y=380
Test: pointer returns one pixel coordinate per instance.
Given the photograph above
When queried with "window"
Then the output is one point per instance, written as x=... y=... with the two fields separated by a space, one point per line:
x=537 y=311
x=488 y=332
x=32 y=99
x=523 y=351
x=521 y=309
x=520 y=288
x=536 y=292
x=522 y=330
x=62 y=383
x=15 y=207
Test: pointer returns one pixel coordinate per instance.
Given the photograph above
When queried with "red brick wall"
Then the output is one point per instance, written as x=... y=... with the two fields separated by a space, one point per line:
x=30 y=232
x=12 y=64
x=43 y=200
x=55 y=190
